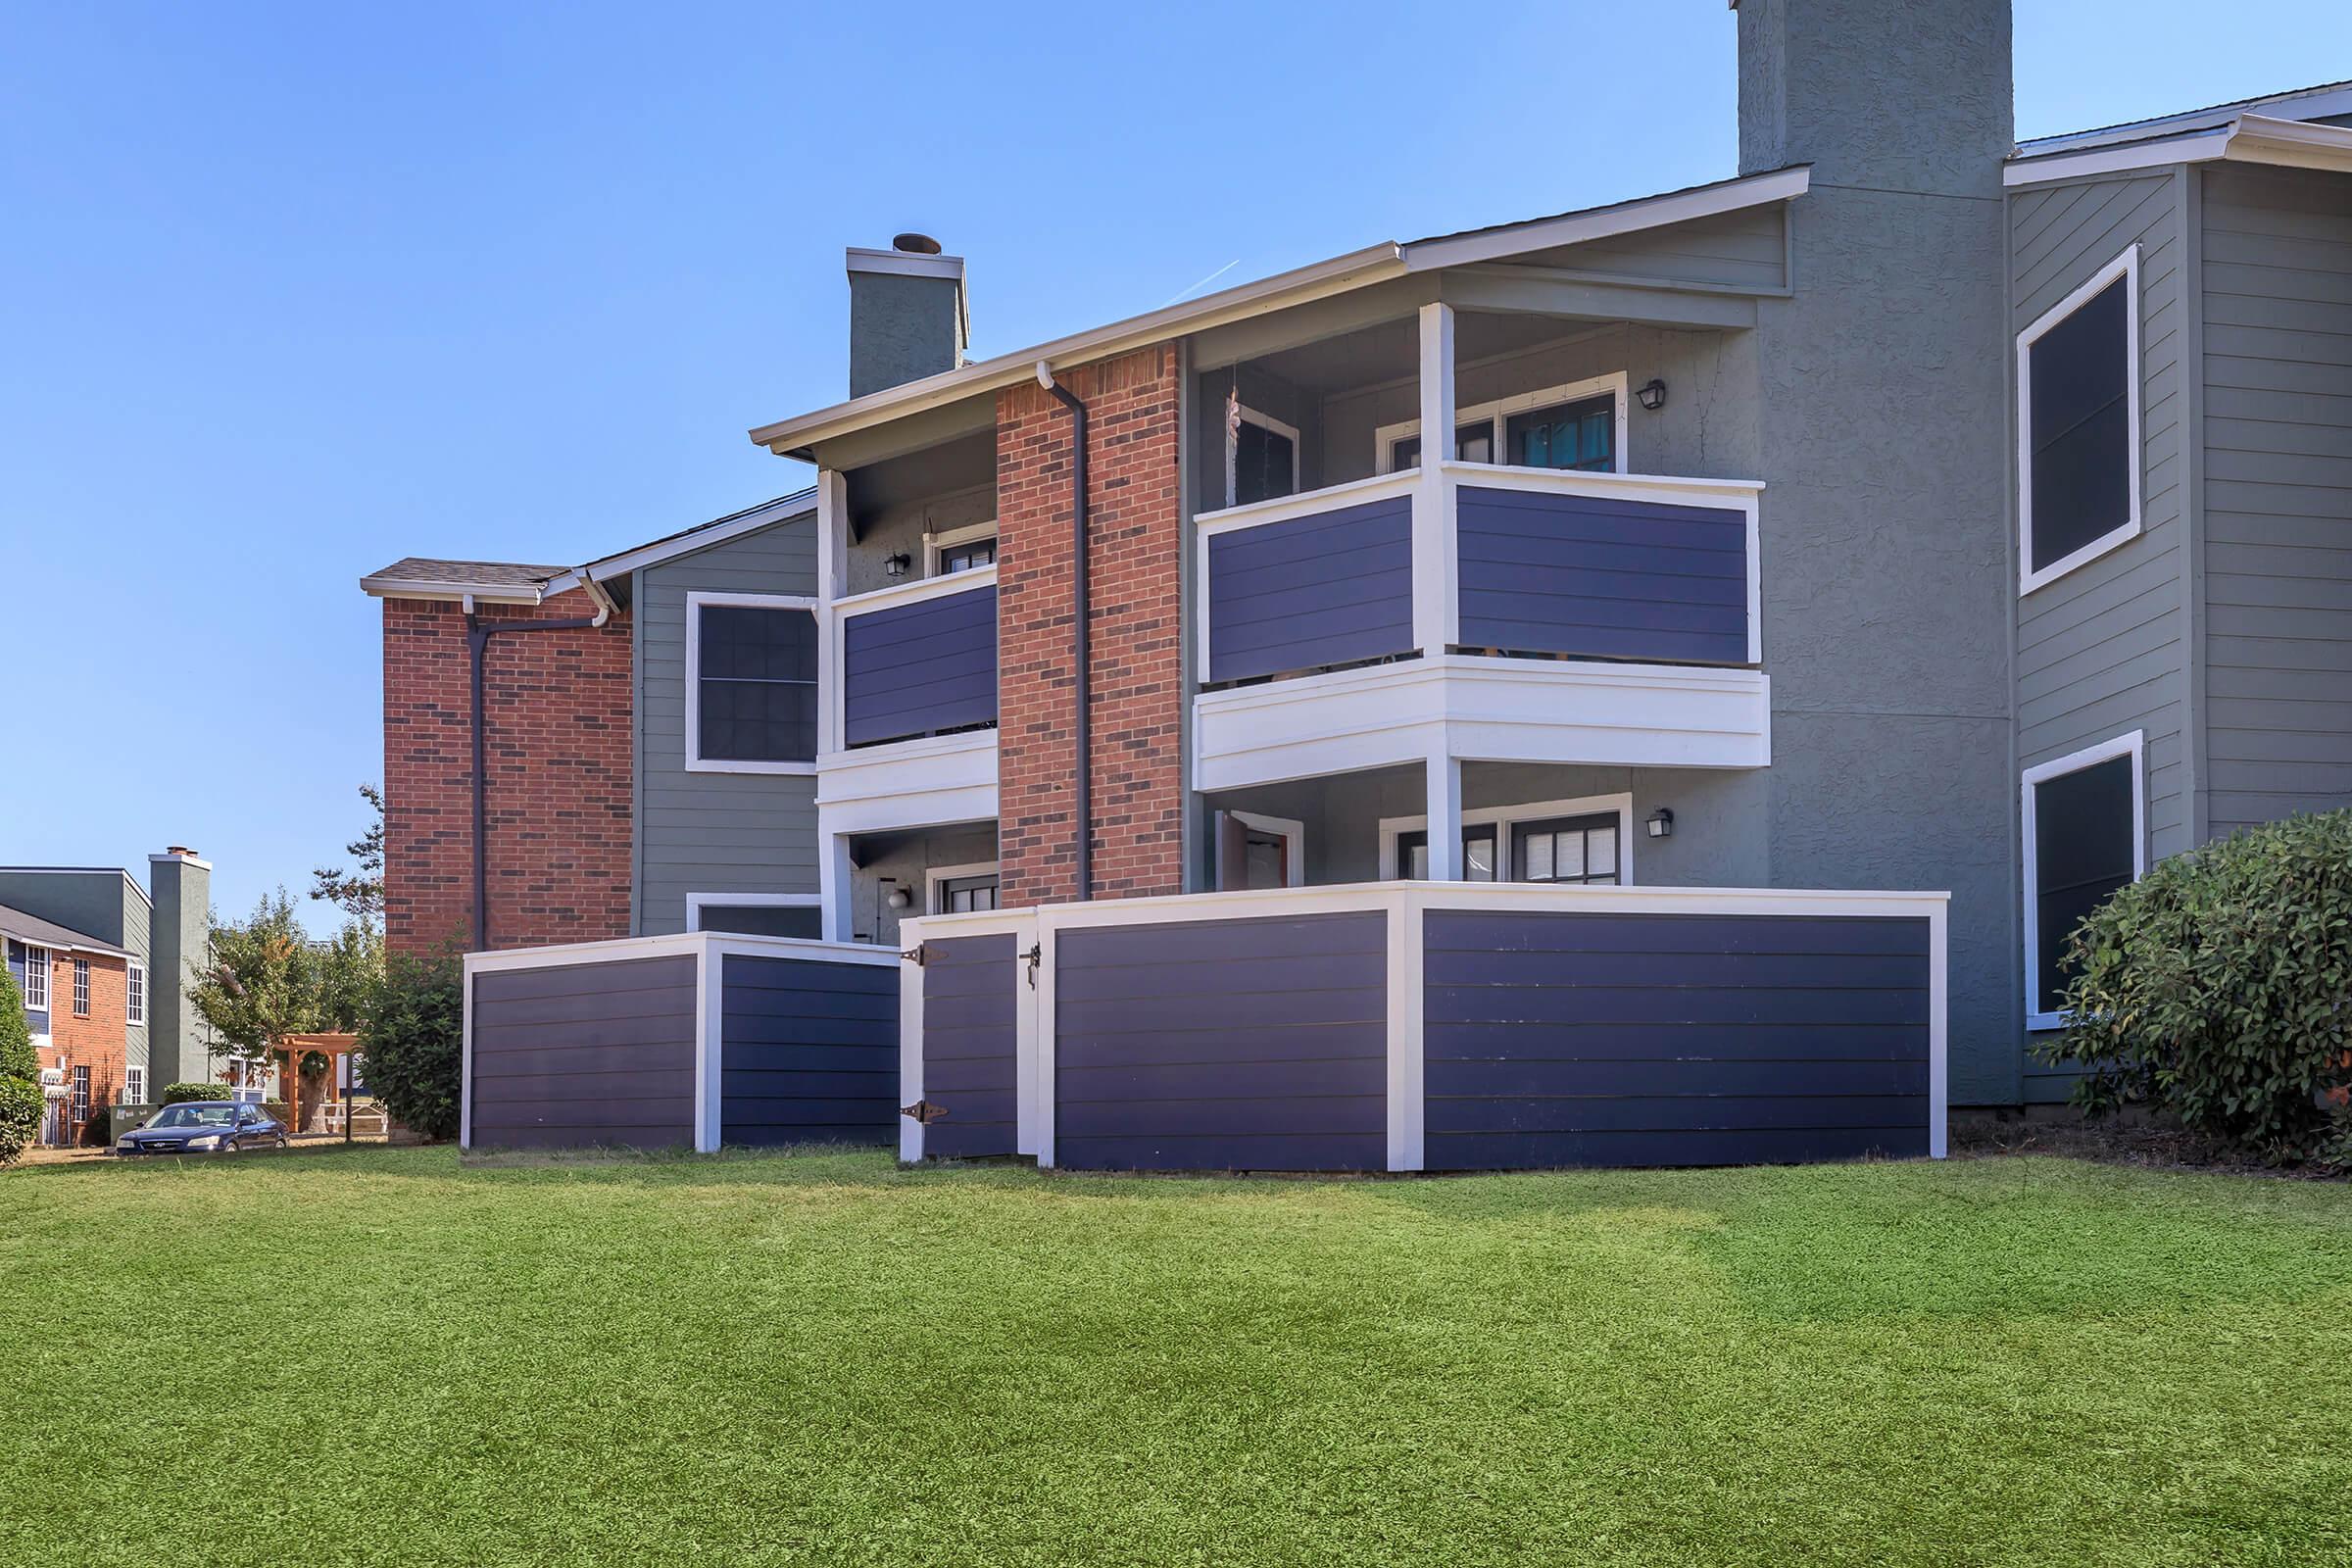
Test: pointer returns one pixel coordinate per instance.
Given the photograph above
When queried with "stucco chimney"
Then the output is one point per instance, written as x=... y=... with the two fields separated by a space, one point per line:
x=909 y=316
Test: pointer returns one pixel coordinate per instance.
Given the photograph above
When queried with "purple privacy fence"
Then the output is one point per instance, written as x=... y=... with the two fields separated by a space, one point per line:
x=1429 y=1027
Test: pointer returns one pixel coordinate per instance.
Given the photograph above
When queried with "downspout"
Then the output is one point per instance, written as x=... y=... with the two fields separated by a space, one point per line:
x=1083 y=731
x=478 y=633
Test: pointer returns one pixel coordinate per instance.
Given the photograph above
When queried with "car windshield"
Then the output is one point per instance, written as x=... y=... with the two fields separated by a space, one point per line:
x=193 y=1116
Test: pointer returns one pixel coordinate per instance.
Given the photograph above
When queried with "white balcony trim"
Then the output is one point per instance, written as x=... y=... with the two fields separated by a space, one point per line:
x=1479 y=708
x=1305 y=503
x=929 y=781
x=915 y=590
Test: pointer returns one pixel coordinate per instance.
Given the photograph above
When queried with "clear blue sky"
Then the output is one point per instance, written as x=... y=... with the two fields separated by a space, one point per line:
x=289 y=292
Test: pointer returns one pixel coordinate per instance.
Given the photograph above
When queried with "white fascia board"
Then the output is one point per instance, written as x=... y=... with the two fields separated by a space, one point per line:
x=1375 y=264
x=2244 y=139
x=480 y=593
x=1626 y=218
x=2290 y=144
x=2312 y=103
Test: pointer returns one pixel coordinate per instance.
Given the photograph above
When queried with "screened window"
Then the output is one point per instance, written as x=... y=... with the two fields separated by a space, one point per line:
x=134 y=992
x=134 y=1086
x=1265 y=459
x=967 y=895
x=1478 y=854
x=1569 y=435
x=756 y=684
x=968 y=557
x=82 y=988
x=37 y=979
x=2084 y=840
x=2077 y=371
x=81 y=1094
x=1567 y=848
x=762 y=919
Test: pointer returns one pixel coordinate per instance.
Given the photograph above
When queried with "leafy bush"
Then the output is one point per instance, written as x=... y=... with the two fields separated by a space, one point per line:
x=20 y=1074
x=2219 y=986
x=411 y=1041
x=20 y=1118
x=174 y=1093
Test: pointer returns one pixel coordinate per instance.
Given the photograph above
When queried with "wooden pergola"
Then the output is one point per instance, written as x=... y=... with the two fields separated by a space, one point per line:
x=336 y=1047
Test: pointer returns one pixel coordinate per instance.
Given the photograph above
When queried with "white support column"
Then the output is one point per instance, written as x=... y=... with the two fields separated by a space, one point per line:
x=832 y=581
x=833 y=883
x=1407 y=1098
x=709 y=1043
x=911 y=1054
x=1436 y=609
x=1444 y=817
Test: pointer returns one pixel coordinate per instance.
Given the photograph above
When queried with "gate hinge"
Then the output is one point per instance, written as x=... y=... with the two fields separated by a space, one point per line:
x=924 y=1112
x=1034 y=957
x=913 y=955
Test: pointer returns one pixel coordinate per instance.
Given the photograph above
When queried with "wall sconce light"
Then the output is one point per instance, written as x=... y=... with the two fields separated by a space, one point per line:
x=898 y=899
x=1652 y=394
x=896 y=566
x=1661 y=823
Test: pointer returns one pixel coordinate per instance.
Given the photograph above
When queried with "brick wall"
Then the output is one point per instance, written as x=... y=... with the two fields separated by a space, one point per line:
x=95 y=1042
x=559 y=745
x=1137 y=675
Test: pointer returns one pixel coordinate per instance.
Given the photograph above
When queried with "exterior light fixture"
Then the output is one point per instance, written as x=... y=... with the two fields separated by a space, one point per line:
x=896 y=566
x=1661 y=823
x=1652 y=394
x=899 y=899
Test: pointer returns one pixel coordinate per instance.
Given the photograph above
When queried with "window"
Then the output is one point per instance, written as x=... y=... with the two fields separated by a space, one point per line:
x=134 y=1086
x=1570 y=849
x=1478 y=854
x=81 y=1094
x=966 y=549
x=2085 y=835
x=2077 y=425
x=751 y=684
x=82 y=988
x=967 y=895
x=1580 y=425
x=756 y=914
x=37 y=979
x=1261 y=458
x=135 y=994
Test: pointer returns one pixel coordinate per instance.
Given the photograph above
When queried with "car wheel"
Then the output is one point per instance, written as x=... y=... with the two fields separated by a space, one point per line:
x=229 y=1147
x=281 y=1140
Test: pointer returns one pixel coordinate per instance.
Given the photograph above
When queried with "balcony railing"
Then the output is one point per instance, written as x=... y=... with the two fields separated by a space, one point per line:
x=918 y=660
x=1513 y=561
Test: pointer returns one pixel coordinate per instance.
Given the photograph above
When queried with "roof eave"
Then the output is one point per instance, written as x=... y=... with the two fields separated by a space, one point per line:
x=2244 y=139
x=479 y=593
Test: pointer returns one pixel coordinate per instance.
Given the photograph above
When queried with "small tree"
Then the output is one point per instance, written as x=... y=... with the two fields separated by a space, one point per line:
x=20 y=1074
x=263 y=981
x=357 y=892
x=412 y=1038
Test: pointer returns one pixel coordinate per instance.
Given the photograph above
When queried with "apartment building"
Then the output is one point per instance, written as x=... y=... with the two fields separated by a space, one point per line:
x=1912 y=511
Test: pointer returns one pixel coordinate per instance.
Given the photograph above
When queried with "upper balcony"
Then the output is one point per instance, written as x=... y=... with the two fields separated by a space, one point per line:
x=1522 y=599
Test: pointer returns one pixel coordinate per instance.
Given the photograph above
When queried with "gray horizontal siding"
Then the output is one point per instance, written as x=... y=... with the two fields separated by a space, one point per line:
x=920 y=668
x=1329 y=589
x=1562 y=1039
x=1601 y=578
x=809 y=1052
x=970 y=987
x=591 y=1053
x=2277 y=431
x=713 y=832
x=1223 y=1045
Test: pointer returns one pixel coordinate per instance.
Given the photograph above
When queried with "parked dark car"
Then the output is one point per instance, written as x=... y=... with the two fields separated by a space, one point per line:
x=204 y=1127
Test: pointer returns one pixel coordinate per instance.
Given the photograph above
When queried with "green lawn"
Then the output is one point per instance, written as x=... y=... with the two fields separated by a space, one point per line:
x=379 y=1357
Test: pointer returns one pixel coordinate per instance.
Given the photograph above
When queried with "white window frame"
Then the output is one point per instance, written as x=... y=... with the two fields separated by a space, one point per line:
x=935 y=878
x=939 y=544
x=1505 y=819
x=135 y=994
x=2134 y=746
x=134 y=1086
x=36 y=969
x=81 y=987
x=697 y=903
x=1497 y=414
x=2126 y=266
x=695 y=602
x=1265 y=422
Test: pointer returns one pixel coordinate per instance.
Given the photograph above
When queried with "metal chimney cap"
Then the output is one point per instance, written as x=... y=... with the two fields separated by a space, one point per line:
x=915 y=244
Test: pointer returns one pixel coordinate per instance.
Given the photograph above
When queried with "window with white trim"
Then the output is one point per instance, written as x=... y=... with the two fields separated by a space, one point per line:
x=135 y=994
x=2085 y=835
x=1566 y=849
x=134 y=1086
x=954 y=549
x=82 y=988
x=81 y=1094
x=37 y=979
x=2077 y=425
x=966 y=895
x=1580 y=426
x=1478 y=853
x=756 y=914
x=750 y=683
x=1261 y=457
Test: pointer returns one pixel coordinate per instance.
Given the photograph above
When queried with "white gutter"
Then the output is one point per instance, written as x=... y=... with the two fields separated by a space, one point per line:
x=2313 y=103
x=422 y=588
x=2245 y=139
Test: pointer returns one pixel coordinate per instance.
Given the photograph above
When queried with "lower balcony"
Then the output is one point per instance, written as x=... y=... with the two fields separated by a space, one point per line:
x=910 y=737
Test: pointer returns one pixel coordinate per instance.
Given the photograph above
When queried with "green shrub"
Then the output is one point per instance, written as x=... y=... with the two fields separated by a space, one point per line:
x=20 y=1074
x=2219 y=986
x=20 y=1118
x=411 y=1041
x=174 y=1093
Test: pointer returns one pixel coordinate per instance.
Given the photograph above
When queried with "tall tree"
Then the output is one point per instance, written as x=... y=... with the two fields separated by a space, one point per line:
x=262 y=982
x=357 y=892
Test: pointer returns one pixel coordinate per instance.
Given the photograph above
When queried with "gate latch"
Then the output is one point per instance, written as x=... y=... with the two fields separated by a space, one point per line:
x=1034 y=957
x=924 y=1112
